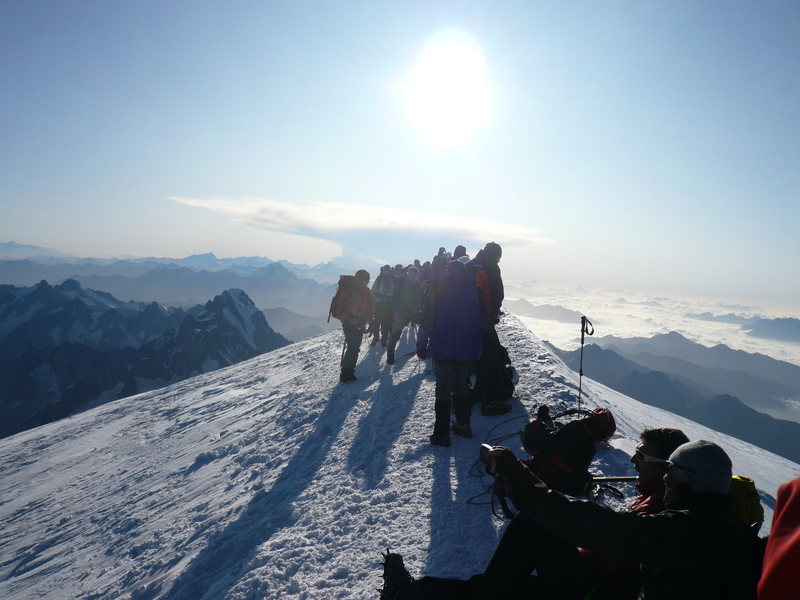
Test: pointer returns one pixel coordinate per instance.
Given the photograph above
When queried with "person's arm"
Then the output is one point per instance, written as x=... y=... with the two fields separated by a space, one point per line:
x=624 y=535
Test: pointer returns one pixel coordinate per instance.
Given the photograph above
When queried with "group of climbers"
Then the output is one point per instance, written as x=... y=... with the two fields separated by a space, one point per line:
x=679 y=539
x=456 y=303
x=692 y=531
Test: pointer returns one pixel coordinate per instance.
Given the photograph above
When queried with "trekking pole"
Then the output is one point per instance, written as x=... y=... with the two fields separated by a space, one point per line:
x=586 y=329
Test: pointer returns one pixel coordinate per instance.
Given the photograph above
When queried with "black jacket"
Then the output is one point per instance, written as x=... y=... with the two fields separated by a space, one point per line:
x=692 y=552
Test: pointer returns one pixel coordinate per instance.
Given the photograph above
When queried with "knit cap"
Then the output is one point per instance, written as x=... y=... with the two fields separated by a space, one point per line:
x=702 y=466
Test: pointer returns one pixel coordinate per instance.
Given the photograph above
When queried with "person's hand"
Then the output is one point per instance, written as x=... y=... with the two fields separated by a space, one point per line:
x=504 y=461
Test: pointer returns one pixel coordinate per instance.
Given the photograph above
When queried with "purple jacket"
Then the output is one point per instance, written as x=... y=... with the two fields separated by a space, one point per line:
x=454 y=317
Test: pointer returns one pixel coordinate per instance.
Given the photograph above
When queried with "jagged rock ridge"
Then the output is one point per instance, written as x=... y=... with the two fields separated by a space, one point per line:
x=64 y=347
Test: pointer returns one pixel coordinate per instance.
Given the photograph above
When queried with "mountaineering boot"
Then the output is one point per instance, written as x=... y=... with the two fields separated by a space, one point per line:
x=464 y=431
x=438 y=439
x=397 y=582
x=347 y=375
x=441 y=426
x=462 y=407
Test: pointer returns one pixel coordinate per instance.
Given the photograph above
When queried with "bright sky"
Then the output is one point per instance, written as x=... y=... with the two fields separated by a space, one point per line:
x=641 y=145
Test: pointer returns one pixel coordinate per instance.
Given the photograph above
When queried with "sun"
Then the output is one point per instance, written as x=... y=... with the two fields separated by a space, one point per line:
x=446 y=94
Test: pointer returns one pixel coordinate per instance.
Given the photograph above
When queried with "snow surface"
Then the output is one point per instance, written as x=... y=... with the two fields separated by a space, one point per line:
x=268 y=479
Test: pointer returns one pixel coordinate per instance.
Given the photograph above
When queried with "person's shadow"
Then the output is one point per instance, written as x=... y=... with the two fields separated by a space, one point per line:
x=213 y=571
x=455 y=522
x=378 y=431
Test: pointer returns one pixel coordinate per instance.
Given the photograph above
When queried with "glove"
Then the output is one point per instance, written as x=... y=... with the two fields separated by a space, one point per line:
x=422 y=353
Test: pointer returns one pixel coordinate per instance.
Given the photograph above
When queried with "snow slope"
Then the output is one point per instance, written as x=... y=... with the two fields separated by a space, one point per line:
x=268 y=479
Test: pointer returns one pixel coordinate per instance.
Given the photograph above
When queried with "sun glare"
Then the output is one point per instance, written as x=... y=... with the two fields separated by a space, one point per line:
x=446 y=94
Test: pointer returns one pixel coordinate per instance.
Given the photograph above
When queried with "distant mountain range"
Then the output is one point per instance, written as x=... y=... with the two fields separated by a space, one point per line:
x=670 y=352
x=64 y=348
x=269 y=284
x=184 y=282
x=548 y=312
x=14 y=250
x=728 y=390
x=785 y=329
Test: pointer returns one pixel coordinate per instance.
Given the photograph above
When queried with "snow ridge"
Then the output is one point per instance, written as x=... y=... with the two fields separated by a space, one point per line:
x=267 y=479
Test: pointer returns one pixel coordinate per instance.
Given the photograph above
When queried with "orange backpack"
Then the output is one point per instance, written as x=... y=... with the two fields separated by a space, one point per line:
x=343 y=297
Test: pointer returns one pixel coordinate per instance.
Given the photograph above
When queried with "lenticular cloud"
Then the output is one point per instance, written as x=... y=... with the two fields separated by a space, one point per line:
x=328 y=219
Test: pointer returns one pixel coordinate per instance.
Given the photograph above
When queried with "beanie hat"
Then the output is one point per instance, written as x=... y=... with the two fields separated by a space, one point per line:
x=493 y=250
x=361 y=274
x=459 y=251
x=702 y=466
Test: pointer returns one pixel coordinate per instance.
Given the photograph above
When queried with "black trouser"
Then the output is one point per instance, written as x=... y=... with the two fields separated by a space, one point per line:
x=525 y=546
x=382 y=325
x=488 y=365
x=352 y=341
x=452 y=387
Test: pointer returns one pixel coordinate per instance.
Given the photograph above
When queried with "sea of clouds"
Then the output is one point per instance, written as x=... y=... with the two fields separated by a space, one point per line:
x=627 y=314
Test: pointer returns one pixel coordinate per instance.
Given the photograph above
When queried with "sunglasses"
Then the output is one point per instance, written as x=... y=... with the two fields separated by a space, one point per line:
x=674 y=465
x=640 y=456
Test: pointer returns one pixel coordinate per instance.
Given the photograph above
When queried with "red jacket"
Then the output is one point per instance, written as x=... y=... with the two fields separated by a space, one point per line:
x=780 y=575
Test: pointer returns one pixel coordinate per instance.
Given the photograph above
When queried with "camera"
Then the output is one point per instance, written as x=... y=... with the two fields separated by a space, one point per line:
x=486 y=458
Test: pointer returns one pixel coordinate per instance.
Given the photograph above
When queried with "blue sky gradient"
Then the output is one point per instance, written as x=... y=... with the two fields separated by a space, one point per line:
x=642 y=145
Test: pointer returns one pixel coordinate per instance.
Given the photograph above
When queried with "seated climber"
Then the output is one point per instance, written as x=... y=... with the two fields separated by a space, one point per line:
x=694 y=549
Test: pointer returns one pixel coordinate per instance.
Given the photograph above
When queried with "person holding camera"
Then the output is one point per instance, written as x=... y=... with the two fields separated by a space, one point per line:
x=525 y=548
x=692 y=550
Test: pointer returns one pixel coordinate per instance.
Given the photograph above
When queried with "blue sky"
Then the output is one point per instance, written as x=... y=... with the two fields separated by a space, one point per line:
x=641 y=145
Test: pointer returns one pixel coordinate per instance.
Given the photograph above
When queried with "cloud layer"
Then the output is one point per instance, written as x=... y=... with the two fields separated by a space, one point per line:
x=332 y=220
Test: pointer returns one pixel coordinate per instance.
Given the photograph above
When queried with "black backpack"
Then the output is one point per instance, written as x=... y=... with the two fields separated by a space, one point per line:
x=496 y=377
x=562 y=453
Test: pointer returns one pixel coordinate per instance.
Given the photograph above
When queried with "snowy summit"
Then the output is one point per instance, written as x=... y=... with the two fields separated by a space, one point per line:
x=268 y=479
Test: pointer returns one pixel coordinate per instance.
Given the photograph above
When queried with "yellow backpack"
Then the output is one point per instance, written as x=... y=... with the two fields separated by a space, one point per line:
x=745 y=501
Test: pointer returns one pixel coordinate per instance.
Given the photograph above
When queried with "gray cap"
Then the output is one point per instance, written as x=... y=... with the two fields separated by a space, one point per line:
x=702 y=466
